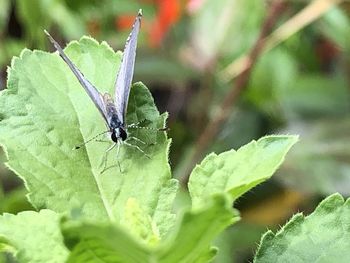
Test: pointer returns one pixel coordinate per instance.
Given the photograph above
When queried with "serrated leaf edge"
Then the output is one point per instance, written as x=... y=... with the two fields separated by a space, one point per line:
x=297 y=219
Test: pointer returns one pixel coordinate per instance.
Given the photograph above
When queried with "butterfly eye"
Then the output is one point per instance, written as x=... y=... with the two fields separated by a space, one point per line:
x=114 y=137
x=123 y=134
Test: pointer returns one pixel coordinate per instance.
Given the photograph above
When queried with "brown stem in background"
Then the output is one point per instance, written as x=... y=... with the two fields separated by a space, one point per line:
x=222 y=115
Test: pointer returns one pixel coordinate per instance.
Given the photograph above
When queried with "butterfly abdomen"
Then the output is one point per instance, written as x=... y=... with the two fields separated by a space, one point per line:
x=111 y=112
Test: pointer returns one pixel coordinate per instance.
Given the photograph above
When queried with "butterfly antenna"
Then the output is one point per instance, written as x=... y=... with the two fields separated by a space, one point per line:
x=148 y=128
x=166 y=128
x=84 y=143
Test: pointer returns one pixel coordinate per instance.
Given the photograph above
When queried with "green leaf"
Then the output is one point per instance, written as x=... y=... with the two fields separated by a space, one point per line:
x=33 y=237
x=45 y=113
x=102 y=243
x=189 y=242
x=323 y=236
x=235 y=172
x=192 y=236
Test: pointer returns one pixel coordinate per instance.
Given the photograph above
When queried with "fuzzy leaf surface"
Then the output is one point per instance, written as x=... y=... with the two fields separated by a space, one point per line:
x=323 y=236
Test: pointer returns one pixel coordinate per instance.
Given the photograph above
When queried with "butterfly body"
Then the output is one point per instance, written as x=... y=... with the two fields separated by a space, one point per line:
x=117 y=129
x=115 y=125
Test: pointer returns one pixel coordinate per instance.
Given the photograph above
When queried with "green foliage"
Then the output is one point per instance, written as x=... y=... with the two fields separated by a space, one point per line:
x=39 y=142
x=191 y=244
x=32 y=236
x=116 y=216
x=235 y=172
x=323 y=236
x=186 y=244
x=300 y=86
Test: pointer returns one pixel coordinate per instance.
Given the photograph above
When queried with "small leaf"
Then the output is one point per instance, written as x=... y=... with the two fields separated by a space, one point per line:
x=235 y=172
x=45 y=113
x=323 y=236
x=188 y=243
x=192 y=236
x=196 y=230
x=35 y=237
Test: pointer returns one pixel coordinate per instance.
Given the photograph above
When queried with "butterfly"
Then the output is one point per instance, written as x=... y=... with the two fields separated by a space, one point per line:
x=113 y=110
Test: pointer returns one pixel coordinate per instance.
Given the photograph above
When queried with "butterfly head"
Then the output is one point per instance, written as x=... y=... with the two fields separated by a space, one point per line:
x=117 y=134
x=117 y=129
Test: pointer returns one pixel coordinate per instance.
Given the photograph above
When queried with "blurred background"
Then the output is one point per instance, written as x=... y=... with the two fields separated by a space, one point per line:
x=228 y=72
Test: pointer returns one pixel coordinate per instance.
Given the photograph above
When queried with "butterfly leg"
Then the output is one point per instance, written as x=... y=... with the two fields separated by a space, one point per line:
x=118 y=163
x=138 y=148
x=137 y=139
x=104 y=159
x=118 y=148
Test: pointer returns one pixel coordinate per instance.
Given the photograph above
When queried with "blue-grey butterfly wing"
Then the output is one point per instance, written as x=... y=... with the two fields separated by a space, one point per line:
x=96 y=97
x=126 y=70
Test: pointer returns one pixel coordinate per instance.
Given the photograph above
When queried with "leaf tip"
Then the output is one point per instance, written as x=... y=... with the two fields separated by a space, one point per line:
x=331 y=203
